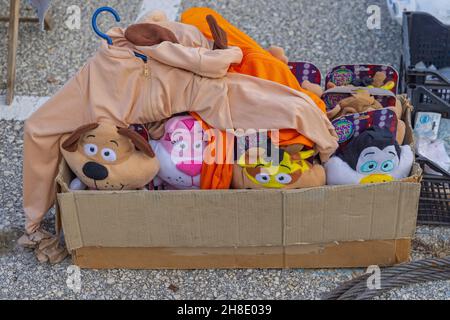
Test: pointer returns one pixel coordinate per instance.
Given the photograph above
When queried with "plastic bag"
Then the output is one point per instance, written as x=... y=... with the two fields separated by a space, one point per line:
x=438 y=8
x=434 y=151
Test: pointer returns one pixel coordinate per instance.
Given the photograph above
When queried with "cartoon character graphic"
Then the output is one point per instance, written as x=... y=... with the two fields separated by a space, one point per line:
x=372 y=157
x=180 y=152
x=256 y=170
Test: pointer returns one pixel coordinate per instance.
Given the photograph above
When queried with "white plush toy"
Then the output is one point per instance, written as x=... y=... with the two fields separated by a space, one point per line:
x=372 y=157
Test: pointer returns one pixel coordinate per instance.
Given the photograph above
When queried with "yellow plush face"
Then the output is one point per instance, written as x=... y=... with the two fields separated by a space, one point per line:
x=286 y=173
x=104 y=157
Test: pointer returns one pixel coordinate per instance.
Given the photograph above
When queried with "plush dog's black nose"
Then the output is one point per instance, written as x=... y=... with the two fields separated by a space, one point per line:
x=95 y=171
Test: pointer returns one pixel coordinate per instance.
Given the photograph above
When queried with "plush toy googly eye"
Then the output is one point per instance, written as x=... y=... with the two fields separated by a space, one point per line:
x=90 y=149
x=262 y=178
x=387 y=166
x=369 y=166
x=283 y=178
x=109 y=155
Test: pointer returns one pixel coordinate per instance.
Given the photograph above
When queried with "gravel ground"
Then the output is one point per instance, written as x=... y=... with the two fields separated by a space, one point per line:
x=303 y=29
x=47 y=61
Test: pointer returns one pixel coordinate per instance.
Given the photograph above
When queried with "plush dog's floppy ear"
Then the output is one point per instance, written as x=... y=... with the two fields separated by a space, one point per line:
x=149 y=34
x=138 y=141
x=71 y=143
x=219 y=35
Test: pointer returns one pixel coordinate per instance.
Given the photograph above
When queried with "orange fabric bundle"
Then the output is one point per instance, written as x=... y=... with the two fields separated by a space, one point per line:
x=256 y=62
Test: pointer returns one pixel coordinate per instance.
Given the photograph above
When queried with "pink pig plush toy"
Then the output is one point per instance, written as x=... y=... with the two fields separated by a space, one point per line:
x=180 y=152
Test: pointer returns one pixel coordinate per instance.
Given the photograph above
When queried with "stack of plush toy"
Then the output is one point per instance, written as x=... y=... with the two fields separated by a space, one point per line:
x=184 y=152
x=367 y=116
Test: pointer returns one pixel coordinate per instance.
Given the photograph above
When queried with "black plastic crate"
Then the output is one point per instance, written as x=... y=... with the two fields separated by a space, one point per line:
x=427 y=40
x=434 y=204
x=430 y=99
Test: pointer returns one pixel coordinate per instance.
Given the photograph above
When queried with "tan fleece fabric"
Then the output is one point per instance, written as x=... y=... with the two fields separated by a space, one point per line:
x=47 y=247
x=116 y=87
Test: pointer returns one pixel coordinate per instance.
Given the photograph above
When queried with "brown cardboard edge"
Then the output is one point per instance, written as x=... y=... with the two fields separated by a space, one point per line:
x=333 y=255
x=67 y=216
x=63 y=178
x=416 y=171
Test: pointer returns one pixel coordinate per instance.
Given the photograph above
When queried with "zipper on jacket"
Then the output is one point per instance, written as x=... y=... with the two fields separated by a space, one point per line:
x=144 y=58
x=146 y=71
x=147 y=90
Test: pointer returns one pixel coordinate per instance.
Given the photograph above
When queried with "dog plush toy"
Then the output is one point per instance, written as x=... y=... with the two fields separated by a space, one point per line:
x=255 y=169
x=180 y=152
x=104 y=157
x=358 y=102
x=372 y=157
x=361 y=102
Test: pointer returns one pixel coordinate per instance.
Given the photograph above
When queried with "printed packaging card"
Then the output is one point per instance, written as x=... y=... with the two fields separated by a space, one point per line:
x=306 y=71
x=353 y=125
x=361 y=76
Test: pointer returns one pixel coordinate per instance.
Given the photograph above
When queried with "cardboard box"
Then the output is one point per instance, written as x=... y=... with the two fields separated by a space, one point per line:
x=326 y=227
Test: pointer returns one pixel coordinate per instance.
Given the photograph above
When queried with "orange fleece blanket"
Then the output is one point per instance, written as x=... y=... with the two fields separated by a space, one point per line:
x=256 y=62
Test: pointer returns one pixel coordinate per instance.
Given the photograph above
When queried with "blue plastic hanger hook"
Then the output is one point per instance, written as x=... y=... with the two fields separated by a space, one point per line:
x=94 y=22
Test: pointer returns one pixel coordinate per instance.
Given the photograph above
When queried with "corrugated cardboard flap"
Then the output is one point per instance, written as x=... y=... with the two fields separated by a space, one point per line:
x=349 y=213
x=229 y=218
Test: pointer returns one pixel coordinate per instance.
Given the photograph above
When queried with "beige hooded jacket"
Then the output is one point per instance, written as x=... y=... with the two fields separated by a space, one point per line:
x=117 y=87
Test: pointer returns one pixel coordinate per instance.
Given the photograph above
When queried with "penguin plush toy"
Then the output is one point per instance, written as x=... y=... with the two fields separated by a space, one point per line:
x=374 y=156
